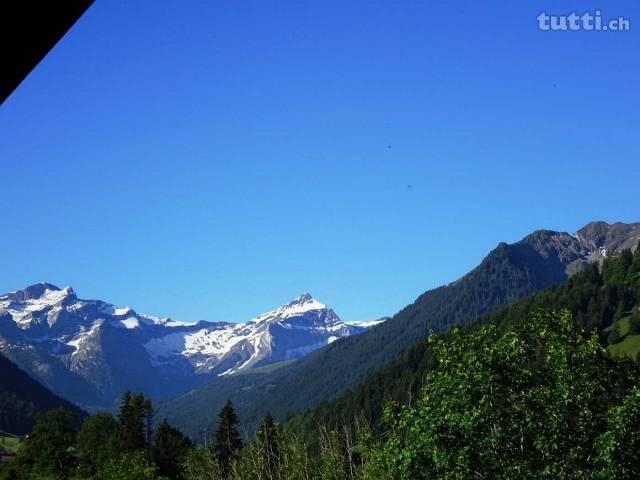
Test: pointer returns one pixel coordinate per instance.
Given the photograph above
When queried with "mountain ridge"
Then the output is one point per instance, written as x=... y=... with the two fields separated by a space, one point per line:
x=22 y=398
x=91 y=351
x=508 y=273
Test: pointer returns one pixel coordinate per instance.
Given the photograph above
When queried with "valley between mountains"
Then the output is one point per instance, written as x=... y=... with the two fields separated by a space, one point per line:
x=286 y=361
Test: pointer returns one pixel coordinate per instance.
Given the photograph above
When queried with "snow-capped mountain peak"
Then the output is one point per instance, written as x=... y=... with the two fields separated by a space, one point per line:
x=304 y=303
x=305 y=298
x=97 y=349
x=36 y=301
x=298 y=306
x=44 y=293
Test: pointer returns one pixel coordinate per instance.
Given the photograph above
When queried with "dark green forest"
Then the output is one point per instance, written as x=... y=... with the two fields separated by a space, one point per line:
x=22 y=397
x=539 y=389
x=598 y=298
x=509 y=273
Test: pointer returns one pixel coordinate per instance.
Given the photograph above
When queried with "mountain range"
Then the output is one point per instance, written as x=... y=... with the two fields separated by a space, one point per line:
x=285 y=361
x=90 y=351
x=507 y=274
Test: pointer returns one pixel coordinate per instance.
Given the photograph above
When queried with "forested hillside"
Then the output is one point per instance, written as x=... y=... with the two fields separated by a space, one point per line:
x=540 y=398
x=604 y=300
x=529 y=391
x=507 y=274
x=22 y=398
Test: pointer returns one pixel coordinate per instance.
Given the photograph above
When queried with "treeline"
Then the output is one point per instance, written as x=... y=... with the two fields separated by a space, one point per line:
x=538 y=399
x=126 y=447
x=597 y=297
x=103 y=448
x=528 y=392
x=507 y=274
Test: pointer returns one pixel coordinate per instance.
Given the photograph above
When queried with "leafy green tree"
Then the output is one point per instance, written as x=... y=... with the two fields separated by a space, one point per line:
x=97 y=443
x=618 y=448
x=169 y=449
x=338 y=456
x=528 y=403
x=130 y=466
x=47 y=452
x=199 y=464
x=227 y=441
x=277 y=455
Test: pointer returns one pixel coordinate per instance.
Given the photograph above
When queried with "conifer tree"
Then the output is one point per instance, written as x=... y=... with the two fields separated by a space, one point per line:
x=227 y=441
x=634 y=322
x=133 y=416
x=269 y=438
x=147 y=409
x=170 y=447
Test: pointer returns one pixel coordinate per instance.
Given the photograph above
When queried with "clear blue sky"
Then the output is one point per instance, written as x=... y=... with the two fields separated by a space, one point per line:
x=211 y=160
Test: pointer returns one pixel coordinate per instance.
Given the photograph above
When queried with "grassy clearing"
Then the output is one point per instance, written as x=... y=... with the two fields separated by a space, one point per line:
x=629 y=347
x=623 y=324
x=10 y=443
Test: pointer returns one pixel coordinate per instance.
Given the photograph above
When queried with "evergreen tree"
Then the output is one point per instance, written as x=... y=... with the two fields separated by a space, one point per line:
x=634 y=321
x=268 y=440
x=135 y=416
x=227 y=441
x=633 y=276
x=170 y=447
x=147 y=409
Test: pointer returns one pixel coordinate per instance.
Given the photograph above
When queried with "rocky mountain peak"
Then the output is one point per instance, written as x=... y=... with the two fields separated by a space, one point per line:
x=594 y=234
x=34 y=292
x=601 y=238
x=302 y=299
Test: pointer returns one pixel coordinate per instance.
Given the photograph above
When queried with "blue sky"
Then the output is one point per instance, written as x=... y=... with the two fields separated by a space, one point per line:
x=212 y=160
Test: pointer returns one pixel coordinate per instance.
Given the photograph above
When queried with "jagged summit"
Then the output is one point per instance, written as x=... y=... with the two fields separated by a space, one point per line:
x=300 y=299
x=570 y=253
x=615 y=236
x=36 y=291
x=303 y=303
x=98 y=350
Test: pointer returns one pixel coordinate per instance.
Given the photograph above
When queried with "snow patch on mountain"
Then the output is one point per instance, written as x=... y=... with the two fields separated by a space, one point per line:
x=101 y=349
x=131 y=322
x=366 y=323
